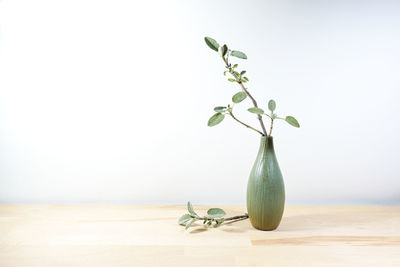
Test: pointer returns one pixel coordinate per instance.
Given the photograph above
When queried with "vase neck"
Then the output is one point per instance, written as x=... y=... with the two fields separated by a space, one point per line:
x=266 y=147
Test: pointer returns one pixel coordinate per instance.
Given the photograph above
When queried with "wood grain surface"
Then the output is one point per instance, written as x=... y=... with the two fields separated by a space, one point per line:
x=128 y=235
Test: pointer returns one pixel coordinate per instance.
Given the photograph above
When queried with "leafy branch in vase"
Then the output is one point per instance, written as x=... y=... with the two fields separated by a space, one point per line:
x=216 y=215
x=240 y=78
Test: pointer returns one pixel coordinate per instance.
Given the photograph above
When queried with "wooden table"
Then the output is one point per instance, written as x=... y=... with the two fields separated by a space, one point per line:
x=126 y=235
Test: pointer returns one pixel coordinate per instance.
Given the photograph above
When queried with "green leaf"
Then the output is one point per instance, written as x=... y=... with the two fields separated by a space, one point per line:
x=292 y=121
x=209 y=223
x=271 y=105
x=242 y=72
x=216 y=119
x=184 y=219
x=231 y=80
x=190 y=208
x=238 y=54
x=245 y=79
x=256 y=110
x=239 y=97
x=223 y=49
x=218 y=222
x=215 y=213
x=211 y=43
x=220 y=109
x=189 y=223
x=235 y=66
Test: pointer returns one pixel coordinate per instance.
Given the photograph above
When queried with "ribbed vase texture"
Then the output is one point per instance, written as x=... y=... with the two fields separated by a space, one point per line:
x=265 y=189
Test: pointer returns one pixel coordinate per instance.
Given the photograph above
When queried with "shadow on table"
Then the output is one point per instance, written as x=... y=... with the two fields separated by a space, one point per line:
x=237 y=226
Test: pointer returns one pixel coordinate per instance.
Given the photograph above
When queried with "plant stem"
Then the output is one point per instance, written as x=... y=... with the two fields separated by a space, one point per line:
x=248 y=94
x=256 y=106
x=245 y=216
x=268 y=115
x=270 y=129
x=248 y=126
x=237 y=217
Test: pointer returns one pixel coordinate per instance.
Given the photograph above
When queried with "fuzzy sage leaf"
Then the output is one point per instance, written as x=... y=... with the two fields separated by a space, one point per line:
x=271 y=105
x=256 y=110
x=218 y=222
x=211 y=43
x=223 y=50
x=220 y=109
x=238 y=54
x=292 y=121
x=239 y=97
x=215 y=119
x=190 y=209
x=182 y=220
x=189 y=223
x=215 y=213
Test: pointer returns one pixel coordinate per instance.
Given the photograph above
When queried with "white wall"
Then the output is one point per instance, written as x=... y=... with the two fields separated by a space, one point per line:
x=107 y=101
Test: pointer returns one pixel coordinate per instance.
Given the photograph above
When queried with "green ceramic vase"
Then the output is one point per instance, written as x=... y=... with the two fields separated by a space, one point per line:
x=265 y=189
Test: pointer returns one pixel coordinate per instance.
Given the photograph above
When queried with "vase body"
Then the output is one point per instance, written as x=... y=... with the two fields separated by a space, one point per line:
x=265 y=189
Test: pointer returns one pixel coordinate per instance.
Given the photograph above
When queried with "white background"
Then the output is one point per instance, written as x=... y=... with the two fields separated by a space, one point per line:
x=107 y=101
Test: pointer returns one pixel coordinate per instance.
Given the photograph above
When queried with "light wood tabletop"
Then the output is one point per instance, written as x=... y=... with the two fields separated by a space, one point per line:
x=129 y=235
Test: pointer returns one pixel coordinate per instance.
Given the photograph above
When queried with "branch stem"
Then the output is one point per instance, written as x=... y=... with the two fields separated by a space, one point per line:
x=272 y=124
x=245 y=216
x=264 y=132
x=244 y=124
x=237 y=217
